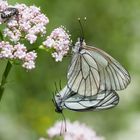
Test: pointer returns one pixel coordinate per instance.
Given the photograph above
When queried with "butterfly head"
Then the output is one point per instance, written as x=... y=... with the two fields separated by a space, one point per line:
x=58 y=103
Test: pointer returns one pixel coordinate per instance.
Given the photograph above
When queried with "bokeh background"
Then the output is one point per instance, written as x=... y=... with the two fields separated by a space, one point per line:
x=26 y=109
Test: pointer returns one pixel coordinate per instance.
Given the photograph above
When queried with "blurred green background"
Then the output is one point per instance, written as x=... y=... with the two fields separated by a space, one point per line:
x=26 y=109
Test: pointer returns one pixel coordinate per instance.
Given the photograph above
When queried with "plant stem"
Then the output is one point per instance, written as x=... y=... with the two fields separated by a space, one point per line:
x=1 y=36
x=4 y=78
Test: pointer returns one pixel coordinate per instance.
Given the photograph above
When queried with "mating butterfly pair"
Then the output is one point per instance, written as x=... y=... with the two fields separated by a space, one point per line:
x=93 y=79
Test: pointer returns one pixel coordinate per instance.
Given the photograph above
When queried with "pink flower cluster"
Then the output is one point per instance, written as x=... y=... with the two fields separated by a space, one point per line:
x=18 y=52
x=75 y=131
x=59 y=40
x=3 y=5
x=30 y=24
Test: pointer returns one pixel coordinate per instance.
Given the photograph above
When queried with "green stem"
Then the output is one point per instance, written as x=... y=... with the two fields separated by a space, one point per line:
x=4 y=78
x=1 y=36
x=6 y=72
x=36 y=48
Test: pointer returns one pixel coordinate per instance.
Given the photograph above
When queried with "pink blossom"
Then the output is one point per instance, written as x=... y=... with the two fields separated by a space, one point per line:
x=49 y=42
x=18 y=52
x=29 y=60
x=30 y=24
x=14 y=34
x=25 y=26
x=30 y=56
x=75 y=131
x=12 y=24
x=31 y=37
x=6 y=50
x=57 y=56
x=29 y=65
x=3 y=5
x=60 y=41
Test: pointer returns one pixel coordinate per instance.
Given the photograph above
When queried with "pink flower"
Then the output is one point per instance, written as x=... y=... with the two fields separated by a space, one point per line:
x=3 y=5
x=12 y=23
x=14 y=34
x=6 y=50
x=75 y=131
x=29 y=65
x=29 y=24
x=60 y=41
x=18 y=52
x=29 y=60
x=57 y=56
x=49 y=42
x=31 y=37
x=30 y=56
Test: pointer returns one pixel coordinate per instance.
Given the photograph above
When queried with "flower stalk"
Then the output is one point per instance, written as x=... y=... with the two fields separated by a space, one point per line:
x=5 y=73
x=4 y=78
x=29 y=27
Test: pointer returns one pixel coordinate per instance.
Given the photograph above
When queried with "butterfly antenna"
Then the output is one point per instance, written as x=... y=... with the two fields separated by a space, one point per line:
x=56 y=89
x=81 y=26
x=53 y=97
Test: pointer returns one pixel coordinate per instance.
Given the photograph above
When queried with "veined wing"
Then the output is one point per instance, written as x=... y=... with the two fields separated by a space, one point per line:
x=83 y=75
x=113 y=75
x=100 y=101
x=93 y=70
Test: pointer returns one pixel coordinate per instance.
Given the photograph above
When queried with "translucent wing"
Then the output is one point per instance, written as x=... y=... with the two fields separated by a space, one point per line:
x=100 y=101
x=92 y=70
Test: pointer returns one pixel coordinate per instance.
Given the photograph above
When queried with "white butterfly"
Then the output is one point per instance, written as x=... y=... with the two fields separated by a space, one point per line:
x=73 y=101
x=93 y=77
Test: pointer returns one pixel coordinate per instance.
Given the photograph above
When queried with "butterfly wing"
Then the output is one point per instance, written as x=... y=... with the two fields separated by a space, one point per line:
x=113 y=75
x=100 y=101
x=93 y=70
x=83 y=75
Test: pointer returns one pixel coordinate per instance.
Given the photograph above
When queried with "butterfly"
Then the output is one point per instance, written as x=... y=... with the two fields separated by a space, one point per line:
x=92 y=80
x=76 y=102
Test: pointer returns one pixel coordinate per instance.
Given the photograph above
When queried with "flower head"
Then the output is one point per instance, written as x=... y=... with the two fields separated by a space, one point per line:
x=3 y=5
x=29 y=24
x=75 y=131
x=18 y=52
x=29 y=60
x=6 y=50
x=60 y=41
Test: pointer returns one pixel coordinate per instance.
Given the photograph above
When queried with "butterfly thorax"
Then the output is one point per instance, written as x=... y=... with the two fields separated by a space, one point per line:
x=79 y=45
x=58 y=104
